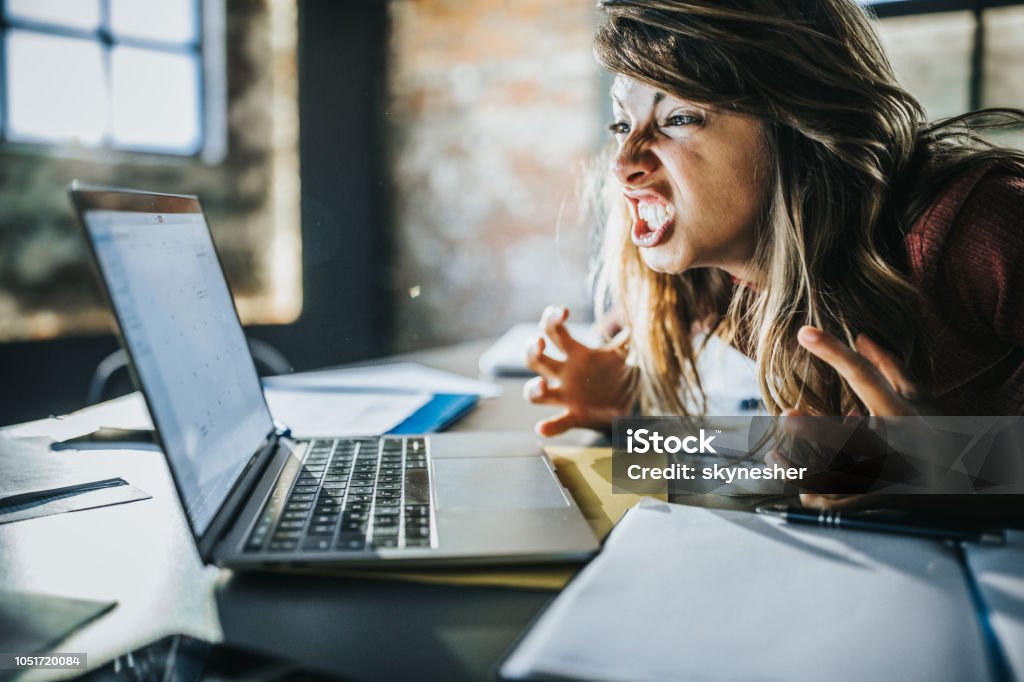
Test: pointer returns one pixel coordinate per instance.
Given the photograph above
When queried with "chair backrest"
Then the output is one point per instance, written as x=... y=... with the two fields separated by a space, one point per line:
x=111 y=378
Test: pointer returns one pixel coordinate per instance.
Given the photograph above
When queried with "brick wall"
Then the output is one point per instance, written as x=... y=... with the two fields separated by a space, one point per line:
x=495 y=107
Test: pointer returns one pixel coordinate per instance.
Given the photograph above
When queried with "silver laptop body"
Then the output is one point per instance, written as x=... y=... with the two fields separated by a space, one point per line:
x=256 y=497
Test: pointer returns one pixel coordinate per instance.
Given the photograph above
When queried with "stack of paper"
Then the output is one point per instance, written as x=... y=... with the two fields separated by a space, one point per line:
x=687 y=593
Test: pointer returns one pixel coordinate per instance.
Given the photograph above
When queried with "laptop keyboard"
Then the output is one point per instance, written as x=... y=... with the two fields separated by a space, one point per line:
x=349 y=494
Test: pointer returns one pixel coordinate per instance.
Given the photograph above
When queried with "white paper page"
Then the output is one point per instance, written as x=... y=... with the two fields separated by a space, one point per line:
x=687 y=593
x=127 y=412
x=314 y=414
x=337 y=413
x=402 y=377
x=999 y=572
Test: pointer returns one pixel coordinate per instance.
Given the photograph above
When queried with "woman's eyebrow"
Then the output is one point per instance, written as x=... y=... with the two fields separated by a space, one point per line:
x=658 y=97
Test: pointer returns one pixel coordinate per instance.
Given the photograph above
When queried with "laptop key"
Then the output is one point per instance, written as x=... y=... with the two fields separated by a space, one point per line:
x=417 y=487
x=353 y=526
x=283 y=545
x=255 y=542
x=287 y=535
x=316 y=544
x=351 y=541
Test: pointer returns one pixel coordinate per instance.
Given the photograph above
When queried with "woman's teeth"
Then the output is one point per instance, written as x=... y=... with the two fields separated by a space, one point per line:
x=655 y=214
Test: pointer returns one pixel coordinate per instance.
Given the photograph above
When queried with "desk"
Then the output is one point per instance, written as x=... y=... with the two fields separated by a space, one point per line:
x=142 y=556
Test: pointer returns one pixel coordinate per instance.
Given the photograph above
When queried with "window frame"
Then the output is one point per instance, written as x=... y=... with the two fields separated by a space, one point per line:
x=207 y=49
x=886 y=9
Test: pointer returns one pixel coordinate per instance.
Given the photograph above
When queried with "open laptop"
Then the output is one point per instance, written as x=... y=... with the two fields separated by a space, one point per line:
x=253 y=495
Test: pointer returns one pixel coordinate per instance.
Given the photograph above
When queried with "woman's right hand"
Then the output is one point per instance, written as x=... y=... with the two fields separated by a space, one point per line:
x=593 y=385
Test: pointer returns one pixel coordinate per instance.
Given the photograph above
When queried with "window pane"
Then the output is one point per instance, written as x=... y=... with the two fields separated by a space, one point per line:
x=55 y=88
x=1004 y=56
x=155 y=100
x=172 y=21
x=83 y=14
x=931 y=54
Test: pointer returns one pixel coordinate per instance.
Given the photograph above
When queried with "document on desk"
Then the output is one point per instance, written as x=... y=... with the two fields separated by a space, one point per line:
x=35 y=482
x=309 y=414
x=341 y=413
x=397 y=377
x=688 y=593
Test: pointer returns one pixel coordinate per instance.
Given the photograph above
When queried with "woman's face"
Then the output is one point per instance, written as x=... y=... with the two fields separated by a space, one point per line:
x=694 y=179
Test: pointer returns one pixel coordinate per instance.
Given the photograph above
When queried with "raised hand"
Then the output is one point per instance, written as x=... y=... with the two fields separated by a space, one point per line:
x=592 y=385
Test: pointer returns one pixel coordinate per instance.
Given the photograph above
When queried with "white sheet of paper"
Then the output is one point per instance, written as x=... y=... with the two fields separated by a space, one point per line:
x=309 y=414
x=127 y=412
x=999 y=572
x=400 y=377
x=339 y=413
x=688 y=593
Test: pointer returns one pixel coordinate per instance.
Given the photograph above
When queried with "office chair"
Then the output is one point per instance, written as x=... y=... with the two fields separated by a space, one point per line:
x=111 y=378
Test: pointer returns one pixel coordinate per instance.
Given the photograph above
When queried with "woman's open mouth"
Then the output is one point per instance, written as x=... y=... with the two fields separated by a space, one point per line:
x=652 y=216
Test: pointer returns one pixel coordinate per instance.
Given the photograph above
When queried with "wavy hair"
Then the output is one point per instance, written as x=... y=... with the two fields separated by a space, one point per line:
x=853 y=164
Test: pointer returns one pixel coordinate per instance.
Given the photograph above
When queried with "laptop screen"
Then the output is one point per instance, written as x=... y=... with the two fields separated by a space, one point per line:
x=179 y=323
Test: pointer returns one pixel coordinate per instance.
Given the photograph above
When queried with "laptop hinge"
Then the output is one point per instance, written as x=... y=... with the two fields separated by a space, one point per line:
x=253 y=473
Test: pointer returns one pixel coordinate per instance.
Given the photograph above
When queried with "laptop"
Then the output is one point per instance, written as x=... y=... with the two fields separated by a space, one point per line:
x=256 y=497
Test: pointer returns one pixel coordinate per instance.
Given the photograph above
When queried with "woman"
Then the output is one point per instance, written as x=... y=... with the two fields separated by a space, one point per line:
x=772 y=184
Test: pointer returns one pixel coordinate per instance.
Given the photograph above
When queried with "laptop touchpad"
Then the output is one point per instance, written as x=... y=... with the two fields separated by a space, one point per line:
x=496 y=483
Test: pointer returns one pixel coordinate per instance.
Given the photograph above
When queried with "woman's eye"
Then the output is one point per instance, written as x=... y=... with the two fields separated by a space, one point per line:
x=619 y=128
x=677 y=120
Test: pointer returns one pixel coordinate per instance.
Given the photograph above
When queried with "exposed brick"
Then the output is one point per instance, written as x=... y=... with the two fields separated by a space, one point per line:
x=494 y=107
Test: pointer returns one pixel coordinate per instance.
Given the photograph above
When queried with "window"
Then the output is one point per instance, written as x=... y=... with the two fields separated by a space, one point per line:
x=117 y=74
x=957 y=55
x=137 y=93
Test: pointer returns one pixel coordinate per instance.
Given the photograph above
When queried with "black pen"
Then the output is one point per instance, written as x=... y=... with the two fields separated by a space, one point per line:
x=835 y=519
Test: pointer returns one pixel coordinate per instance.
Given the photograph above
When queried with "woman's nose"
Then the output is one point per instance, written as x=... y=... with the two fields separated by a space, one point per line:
x=633 y=164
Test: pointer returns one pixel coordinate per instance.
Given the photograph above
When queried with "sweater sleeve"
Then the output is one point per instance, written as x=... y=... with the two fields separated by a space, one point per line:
x=982 y=265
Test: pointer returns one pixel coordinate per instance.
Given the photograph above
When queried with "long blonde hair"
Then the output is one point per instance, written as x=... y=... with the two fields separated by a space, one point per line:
x=846 y=149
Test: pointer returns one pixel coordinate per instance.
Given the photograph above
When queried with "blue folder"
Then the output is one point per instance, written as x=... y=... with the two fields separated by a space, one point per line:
x=443 y=410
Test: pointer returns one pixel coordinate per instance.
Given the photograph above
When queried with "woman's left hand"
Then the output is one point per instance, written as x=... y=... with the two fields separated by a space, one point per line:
x=875 y=376
x=873 y=373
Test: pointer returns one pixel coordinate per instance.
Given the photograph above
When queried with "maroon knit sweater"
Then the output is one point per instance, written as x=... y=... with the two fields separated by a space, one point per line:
x=967 y=253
